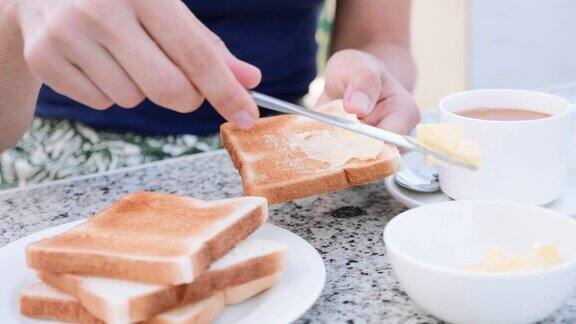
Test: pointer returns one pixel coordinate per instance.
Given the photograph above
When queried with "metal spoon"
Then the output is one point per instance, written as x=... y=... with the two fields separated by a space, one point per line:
x=418 y=180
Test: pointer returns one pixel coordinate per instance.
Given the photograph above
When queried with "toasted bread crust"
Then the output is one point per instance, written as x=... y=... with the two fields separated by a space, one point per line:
x=212 y=307
x=139 y=308
x=56 y=309
x=222 y=243
x=94 y=264
x=147 y=306
x=233 y=276
x=323 y=182
x=71 y=310
x=240 y=293
x=144 y=307
x=41 y=256
x=303 y=185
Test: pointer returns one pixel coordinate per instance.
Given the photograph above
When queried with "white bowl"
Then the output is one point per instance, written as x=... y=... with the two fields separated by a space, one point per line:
x=428 y=246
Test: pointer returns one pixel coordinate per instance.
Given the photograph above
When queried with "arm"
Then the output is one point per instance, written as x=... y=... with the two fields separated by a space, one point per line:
x=18 y=88
x=101 y=53
x=371 y=68
x=381 y=28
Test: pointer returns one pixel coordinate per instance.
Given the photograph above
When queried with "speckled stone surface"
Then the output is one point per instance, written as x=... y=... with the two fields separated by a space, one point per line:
x=346 y=228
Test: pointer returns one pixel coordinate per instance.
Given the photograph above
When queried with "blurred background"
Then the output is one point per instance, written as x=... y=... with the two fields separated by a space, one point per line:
x=468 y=44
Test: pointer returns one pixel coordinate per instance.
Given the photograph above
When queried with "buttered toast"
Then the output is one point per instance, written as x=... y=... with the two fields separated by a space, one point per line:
x=151 y=238
x=288 y=157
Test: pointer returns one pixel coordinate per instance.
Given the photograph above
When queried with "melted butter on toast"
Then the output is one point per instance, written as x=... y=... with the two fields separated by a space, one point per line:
x=334 y=145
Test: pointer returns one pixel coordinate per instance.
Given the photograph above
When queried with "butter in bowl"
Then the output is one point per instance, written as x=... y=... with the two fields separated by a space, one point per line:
x=484 y=262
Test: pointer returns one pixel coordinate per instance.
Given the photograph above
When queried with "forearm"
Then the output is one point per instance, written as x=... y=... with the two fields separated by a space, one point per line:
x=18 y=87
x=380 y=28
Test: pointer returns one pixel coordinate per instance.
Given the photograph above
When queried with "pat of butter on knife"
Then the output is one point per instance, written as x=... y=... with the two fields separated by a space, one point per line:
x=449 y=139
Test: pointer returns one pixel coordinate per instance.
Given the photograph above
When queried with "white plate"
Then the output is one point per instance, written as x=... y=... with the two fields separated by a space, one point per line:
x=301 y=283
x=565 y=204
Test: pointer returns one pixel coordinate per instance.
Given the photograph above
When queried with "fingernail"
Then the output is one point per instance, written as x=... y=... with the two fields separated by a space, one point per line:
x=361 y=101
x=243 y=119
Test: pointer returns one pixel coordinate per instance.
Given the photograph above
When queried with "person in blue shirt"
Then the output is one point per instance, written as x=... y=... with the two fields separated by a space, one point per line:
x=169 y=67
x=126 y=59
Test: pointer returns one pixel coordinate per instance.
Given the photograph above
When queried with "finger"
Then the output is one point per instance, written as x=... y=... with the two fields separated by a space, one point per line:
x=362 y=91
x=397 y=113
x=97 y=63
x=159 y=78
x=193 y=52
x=247 y=74
x=153 y=72
x=62 y=76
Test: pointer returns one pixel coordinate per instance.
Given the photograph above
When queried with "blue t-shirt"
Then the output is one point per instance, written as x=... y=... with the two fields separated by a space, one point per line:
x=276 y=36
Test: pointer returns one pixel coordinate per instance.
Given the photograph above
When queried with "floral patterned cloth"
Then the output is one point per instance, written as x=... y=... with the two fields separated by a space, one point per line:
x=54 y=149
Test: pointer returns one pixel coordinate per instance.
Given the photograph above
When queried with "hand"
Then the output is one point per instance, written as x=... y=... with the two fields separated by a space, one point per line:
x=370 y=91
x=101 y=52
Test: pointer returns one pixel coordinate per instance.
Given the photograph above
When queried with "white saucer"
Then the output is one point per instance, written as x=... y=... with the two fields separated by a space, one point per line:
x=565 y=204
x=299 y=288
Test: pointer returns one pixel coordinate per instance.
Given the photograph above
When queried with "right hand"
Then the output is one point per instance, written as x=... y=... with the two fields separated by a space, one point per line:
x=105 y=52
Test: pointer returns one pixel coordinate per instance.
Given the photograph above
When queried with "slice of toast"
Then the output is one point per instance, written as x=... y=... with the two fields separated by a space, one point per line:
x=125 y=301
x=151 y=237
x=201 y=312
x=44 y=302
x=230 y=296
x=272 y=166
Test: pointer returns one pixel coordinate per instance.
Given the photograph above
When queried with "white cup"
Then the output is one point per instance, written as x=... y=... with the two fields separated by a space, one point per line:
x=523 y=161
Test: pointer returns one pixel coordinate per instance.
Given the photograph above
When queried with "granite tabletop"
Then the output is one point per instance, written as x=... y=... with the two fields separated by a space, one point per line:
x=345 y=227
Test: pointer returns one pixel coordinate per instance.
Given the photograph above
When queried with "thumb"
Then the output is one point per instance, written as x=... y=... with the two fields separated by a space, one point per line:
x=362 y=92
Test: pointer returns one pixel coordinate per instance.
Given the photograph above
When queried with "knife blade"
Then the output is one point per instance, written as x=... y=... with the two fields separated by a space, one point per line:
x=407 y=142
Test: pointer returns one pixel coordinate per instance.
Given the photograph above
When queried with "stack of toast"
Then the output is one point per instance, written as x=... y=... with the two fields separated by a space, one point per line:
x=273 y=165
x=154 y=258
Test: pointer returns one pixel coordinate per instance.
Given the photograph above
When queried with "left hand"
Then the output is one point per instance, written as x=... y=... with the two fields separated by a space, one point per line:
x=370 y=91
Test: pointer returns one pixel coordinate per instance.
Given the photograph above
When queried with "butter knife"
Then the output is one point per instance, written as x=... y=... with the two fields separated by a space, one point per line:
x=407 y=142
